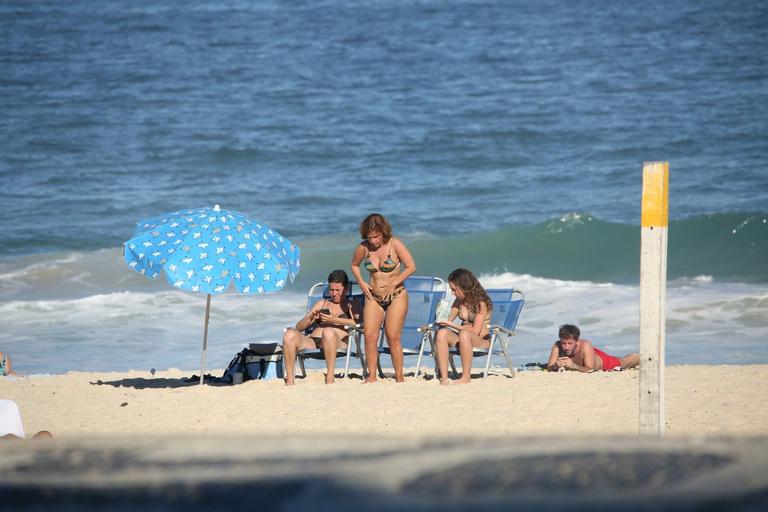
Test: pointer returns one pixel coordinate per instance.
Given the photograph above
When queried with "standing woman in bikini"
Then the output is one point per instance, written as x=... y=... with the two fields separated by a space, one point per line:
x=473 y=307
x=390 y=263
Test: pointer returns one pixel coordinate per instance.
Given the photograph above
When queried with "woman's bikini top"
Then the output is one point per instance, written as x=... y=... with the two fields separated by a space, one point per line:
x=471 y=317
x=344 y=314
x=386 y=266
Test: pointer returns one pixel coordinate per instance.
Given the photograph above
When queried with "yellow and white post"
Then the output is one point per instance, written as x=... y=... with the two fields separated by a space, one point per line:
x=653 y=291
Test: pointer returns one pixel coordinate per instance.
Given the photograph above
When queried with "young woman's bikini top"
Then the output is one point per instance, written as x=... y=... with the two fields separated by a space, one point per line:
x=386 y=266
x=344 y=314
x=471 y=317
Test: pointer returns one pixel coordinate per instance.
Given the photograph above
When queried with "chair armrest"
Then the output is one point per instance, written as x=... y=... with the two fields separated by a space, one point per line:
x=355 y=327
x=504 y=330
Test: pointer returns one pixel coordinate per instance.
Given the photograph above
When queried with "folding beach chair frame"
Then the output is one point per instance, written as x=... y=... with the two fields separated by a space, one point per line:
x=354 y=331
x=501 y=334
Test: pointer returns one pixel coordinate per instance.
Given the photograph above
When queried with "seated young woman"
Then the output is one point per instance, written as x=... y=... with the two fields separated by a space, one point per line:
x=473 y=307
x=326 y=319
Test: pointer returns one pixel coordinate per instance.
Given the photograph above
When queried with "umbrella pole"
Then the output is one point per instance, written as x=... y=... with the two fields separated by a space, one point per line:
x=205 y=337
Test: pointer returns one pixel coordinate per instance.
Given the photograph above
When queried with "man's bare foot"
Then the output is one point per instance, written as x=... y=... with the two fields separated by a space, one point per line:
x=462 y=381
x=289 y=382
x=444 y=382
x=329 y=379
x=370 y=380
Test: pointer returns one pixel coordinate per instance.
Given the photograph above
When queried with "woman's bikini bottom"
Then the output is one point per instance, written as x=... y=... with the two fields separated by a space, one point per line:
x=385 y=301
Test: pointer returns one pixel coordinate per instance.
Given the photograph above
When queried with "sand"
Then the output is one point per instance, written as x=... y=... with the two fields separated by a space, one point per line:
x=710 y=400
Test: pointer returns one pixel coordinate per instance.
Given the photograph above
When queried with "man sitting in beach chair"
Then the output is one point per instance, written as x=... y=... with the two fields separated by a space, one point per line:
x=324 y=324
x=570 y=352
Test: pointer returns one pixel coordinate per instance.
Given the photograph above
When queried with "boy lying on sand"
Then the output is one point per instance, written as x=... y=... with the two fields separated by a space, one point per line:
x=570 y=352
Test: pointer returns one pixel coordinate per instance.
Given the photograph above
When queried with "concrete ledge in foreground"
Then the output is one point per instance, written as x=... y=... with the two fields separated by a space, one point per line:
x=381 y=474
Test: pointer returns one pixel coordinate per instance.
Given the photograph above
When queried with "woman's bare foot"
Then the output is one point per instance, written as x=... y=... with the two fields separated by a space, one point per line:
x=444 y=382
x=330 y=379
x=370 y=380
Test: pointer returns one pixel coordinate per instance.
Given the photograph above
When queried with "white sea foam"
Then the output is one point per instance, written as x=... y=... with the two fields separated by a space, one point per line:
x=706 y=321
x=123 y=330
x=90 y=312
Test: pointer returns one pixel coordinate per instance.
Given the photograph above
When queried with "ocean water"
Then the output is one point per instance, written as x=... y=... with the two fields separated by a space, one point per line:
x=506 y=137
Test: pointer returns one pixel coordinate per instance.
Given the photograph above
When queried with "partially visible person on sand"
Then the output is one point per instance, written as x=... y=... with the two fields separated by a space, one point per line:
x=389 y=263
x=325 y=321
x=5 y=366
x=473 y=307
x=571 y=352
x=11 y=426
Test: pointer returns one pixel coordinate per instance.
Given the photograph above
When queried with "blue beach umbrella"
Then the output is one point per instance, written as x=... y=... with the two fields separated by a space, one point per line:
x=204 y=250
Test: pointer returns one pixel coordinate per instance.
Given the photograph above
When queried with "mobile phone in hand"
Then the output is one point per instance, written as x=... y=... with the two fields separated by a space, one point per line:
x=325 y=311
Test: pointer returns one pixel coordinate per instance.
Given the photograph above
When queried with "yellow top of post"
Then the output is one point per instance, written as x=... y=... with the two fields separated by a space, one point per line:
x=655 y=195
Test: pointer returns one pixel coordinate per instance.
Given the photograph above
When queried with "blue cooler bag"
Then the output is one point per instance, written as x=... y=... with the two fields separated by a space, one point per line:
x=265 y=361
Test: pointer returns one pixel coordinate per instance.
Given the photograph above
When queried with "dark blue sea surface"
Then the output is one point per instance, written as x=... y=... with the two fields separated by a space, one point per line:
x=506 y=136
x=448 y=116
